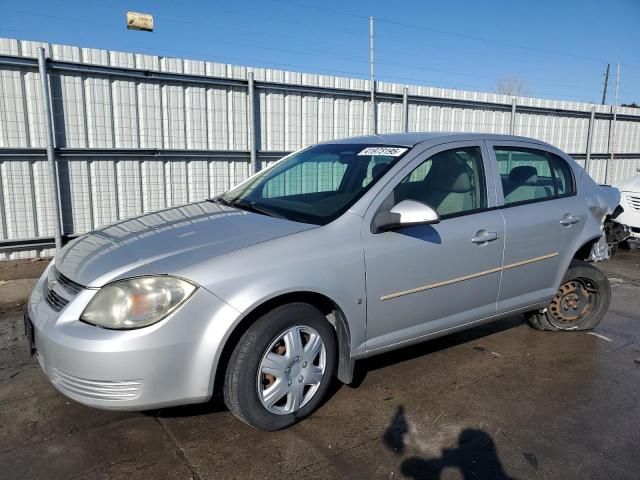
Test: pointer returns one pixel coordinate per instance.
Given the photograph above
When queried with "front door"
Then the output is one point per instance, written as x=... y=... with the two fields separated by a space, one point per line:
x=428 y=278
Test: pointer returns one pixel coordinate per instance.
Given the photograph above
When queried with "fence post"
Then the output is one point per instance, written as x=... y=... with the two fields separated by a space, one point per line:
x=512 y=125
x=252 y=124
x=405 y=109
x=592 y=118
x=51 y=154
x=612 y=142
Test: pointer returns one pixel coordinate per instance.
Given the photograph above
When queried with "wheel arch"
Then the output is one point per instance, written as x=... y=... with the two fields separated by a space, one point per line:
x=329 y=308
x=579 y=251
x=584 y=251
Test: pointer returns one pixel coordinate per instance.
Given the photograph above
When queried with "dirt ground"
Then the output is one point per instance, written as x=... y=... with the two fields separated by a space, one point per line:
x=498 y=401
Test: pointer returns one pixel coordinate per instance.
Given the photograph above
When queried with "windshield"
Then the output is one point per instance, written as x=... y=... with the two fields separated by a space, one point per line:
x=315 y=185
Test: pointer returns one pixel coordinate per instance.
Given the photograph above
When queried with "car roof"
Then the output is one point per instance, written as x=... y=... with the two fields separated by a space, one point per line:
x=414 y=138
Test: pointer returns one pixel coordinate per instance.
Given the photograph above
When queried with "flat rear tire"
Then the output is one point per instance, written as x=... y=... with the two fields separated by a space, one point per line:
x=580 y=303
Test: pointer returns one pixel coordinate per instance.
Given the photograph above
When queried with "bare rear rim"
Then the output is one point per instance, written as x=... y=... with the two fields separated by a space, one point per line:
x=291 y=370
x=576 y=300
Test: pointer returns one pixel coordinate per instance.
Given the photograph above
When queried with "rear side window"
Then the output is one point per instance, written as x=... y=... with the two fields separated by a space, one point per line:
x=530 y=175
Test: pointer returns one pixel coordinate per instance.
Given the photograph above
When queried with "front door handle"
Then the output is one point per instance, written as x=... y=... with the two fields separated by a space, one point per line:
x=569 y=220
x=483 y=237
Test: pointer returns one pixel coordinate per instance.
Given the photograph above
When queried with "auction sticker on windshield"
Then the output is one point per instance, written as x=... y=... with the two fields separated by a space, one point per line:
x=387 y=151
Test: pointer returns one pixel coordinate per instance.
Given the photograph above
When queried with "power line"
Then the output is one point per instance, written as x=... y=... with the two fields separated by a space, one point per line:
x=347 y=58
x=360 y=60
x=257 y=63
x=443 y=32
x=350 y=59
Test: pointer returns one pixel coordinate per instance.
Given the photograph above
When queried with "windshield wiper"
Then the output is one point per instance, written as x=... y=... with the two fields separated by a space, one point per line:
x=252 y=207
x=247 y=206
x=220 y=201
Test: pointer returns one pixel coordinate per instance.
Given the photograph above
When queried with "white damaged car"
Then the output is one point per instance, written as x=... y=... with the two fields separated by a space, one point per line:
x=630 y=203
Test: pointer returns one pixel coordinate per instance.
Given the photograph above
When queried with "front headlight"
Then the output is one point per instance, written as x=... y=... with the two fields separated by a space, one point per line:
x=136 y=302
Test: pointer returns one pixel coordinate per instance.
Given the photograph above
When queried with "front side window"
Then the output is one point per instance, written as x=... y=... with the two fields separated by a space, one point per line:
x=530 y=175
x=451 y=182
x=318 y=184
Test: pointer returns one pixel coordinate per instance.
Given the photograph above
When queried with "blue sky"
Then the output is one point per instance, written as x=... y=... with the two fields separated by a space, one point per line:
x=559 y=48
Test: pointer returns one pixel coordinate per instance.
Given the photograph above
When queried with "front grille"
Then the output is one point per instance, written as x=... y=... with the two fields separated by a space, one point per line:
x=55 y=301
x=634 y=202
x=60 y=290
x=69 y=285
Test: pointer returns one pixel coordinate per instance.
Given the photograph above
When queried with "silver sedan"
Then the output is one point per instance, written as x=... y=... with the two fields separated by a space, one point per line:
x=337 y=252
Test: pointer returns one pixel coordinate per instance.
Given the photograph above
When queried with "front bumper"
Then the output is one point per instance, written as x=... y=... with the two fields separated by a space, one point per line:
x=172 y=362
x=631 y=214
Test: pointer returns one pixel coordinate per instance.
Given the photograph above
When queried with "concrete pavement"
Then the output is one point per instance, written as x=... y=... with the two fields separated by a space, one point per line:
x=499 y=401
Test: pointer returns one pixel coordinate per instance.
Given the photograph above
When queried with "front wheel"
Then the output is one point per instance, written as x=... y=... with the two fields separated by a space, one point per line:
x=281 y=367
x=580 y=304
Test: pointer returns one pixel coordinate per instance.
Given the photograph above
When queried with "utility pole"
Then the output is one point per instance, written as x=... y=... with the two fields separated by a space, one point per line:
x=612 y=140
x=374 y=113
x=606 y=83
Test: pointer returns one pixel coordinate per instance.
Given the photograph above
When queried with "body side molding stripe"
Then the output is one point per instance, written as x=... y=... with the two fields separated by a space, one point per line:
x=467 y=277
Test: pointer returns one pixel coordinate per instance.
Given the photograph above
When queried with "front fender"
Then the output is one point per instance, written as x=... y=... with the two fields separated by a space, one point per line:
x=328 y=261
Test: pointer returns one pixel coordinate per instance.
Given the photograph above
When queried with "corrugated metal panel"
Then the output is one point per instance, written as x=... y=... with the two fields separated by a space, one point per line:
x=217 y=119
x=37 y=136
x=98 y=113
x=19 y=194
x=627 y=137
x=80 y=197
x=104 y=192
x=13 y=130
x=129 y=192
x=149 y=115
x=125 y=114
x=199 y=182
x=153 y=185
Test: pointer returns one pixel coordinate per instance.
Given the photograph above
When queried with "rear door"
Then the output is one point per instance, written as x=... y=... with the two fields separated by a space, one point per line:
x=544 y=219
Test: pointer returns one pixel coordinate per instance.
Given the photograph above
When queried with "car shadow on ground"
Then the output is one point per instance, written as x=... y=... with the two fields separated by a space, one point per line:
x=474 y=457
x=431 y=346
x=216 y=404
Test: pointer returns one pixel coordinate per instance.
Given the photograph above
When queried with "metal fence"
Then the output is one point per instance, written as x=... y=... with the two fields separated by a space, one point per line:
x=136 y=133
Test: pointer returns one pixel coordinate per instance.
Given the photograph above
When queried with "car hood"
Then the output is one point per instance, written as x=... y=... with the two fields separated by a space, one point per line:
x=630 y=185
x=166 y=241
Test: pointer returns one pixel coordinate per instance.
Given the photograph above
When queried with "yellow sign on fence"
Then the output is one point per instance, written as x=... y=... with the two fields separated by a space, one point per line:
x=140 y=21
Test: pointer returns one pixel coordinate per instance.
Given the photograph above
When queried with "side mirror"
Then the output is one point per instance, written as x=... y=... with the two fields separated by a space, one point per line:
x=405 y=214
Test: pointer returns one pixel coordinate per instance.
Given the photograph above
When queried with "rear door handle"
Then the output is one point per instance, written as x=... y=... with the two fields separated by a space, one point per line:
x=483 y=237
x=569 y=220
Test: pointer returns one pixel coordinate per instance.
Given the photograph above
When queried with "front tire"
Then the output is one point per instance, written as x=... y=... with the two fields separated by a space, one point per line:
x=580 y=304
x=281 y=367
